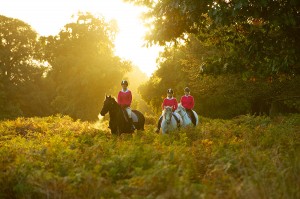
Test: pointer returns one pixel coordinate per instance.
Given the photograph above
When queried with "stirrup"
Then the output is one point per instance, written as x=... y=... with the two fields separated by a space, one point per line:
x=133 y=127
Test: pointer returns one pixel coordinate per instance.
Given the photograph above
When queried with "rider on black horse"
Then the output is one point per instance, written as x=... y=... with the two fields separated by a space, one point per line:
x=124 y=100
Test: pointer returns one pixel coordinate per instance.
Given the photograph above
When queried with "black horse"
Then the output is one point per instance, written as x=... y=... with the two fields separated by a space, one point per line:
x=118 y=122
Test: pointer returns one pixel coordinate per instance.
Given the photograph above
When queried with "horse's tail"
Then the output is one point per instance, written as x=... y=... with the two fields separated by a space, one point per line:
x=141 y=120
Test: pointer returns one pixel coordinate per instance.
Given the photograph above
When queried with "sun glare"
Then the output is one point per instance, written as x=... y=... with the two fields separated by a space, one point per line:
x=47 y=17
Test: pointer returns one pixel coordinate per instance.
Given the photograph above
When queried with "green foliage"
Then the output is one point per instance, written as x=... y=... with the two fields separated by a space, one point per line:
x=57 y=157
x=256 y=41
x=222 y=86
x=68 y=73
x=83 y=66
x=21 y=71
x=171 y=19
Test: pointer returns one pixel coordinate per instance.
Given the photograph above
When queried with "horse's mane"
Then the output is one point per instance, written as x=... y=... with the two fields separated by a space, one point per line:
x=112 y=98
x=166 y=107
x=181 y=107
x=119 y=122
x=115 y=104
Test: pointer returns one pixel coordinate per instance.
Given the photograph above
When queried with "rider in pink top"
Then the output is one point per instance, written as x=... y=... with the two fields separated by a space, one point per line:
x=124 y=100
x=187 y=101
x=168 y=101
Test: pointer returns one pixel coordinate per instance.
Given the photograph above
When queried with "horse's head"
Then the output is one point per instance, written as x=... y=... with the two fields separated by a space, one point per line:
x=168 y=114
x=107 y=105
x=180 y=109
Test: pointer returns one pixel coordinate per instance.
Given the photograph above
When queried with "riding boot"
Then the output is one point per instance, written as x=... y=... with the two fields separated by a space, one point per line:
x=131 y=124
x=178 y=123
x=177 y=120
x=192 y=116
x=158 y=125
x=193 y=119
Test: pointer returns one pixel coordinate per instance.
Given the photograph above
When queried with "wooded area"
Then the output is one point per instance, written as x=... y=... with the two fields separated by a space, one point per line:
x=237 y=57
x=68 y=73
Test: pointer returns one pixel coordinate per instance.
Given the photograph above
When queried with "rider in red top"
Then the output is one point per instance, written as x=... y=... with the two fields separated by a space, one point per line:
x=187 y=101
x=125 y=99
x=168 y=101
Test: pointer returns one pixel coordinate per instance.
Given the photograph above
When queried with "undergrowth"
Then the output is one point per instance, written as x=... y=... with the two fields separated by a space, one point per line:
x=57 y=157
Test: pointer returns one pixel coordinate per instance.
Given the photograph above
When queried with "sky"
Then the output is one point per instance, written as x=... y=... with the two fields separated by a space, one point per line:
x=47 y=17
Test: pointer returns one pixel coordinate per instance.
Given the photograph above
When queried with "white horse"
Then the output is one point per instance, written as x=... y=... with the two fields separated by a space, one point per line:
x=169 y=123
x=185 y=116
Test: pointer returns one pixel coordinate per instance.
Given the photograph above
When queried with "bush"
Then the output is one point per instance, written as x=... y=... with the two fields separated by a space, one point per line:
x=57 y=157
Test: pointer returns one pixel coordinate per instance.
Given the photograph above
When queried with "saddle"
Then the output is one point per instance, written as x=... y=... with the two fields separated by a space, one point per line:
x=133 y=115
x=125 y=115
x=191 y=115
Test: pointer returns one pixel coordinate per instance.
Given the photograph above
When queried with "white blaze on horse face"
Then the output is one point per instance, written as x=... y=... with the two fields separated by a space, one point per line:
x=168 y=113
x=168 y=123
x=100 y=117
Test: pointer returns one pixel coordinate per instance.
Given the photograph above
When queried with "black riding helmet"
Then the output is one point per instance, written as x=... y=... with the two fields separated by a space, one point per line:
x=170 y=91
x=124 y=82
x=187 y=89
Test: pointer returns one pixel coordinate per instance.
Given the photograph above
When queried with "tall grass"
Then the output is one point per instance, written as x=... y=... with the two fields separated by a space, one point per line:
x=56 y=157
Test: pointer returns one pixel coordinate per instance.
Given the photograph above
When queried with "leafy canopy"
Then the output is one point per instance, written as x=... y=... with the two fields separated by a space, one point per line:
x=83 y=66
x=21 y=69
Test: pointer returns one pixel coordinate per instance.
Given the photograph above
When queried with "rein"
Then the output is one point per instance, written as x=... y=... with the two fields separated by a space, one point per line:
x=187 y=115
x=165 y=118
x=118 y=120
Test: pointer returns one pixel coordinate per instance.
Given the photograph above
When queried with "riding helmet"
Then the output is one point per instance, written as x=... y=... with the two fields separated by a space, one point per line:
x=170 y=91
x=187 y=89
x=124 y=82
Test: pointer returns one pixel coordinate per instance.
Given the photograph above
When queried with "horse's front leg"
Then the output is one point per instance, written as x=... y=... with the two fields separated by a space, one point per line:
x=113 y=127
x=110 y=124
x=114 y=130
x=164 y=128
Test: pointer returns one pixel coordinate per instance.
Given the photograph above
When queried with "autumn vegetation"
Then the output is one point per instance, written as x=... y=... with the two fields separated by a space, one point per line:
x=58 y=157
x=239 y=58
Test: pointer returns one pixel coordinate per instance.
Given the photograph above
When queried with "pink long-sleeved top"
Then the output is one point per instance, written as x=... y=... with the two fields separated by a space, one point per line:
x=124 y=98
x=187 y=101
x=170 y=102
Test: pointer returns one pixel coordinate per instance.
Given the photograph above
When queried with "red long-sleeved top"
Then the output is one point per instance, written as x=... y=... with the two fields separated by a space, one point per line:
x=187 y=101
x=124 y=98
x=170 y=102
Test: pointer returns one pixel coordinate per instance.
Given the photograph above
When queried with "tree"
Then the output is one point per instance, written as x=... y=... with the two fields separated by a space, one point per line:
x=21 y=69
x=254 y=44
x=83 y=66
x=266 y=34
x=170 y=74
x=218 y=94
